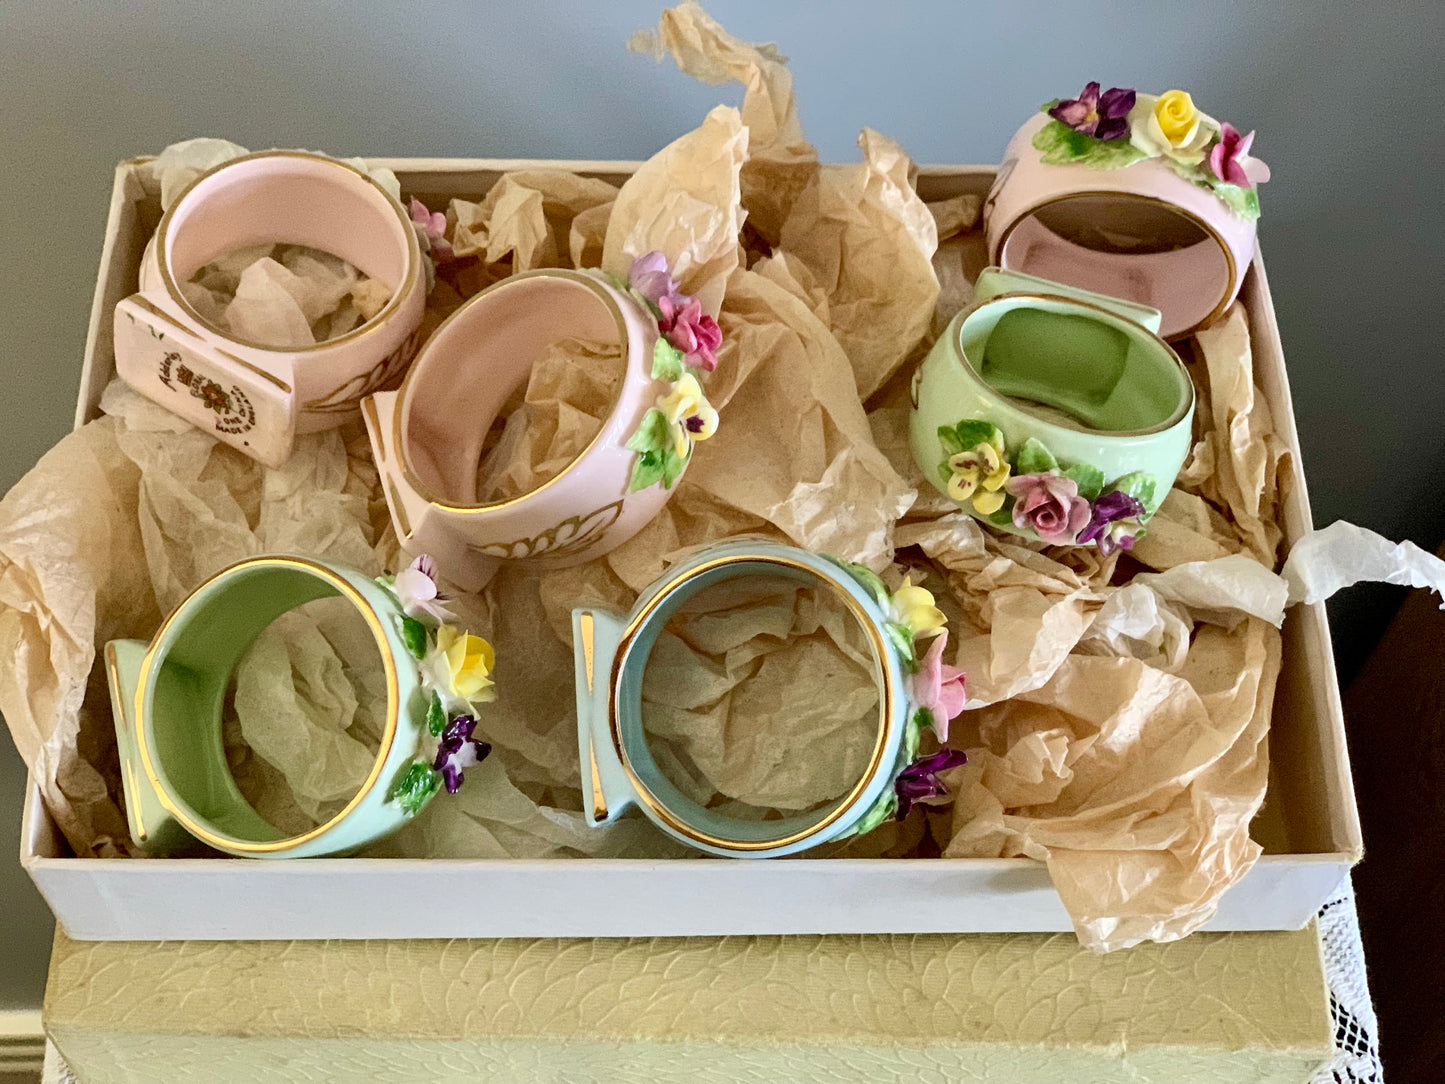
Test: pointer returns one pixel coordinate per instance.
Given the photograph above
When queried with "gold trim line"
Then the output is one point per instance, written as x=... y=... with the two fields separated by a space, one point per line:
x=887 y=700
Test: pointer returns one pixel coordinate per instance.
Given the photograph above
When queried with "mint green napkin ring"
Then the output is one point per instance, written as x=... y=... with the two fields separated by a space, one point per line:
x=1052 y=412
x=618 y=771
x=167 y=697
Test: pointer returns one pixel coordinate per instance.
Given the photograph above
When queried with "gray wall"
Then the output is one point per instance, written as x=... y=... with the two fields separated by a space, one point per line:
x=1347 y=100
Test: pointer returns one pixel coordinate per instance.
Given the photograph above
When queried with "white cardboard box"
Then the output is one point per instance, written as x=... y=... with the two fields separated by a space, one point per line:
x=1309 y=828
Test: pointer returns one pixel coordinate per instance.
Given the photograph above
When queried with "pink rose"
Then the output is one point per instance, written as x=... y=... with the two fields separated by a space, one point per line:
x=691 y=330
x=1050 y=504
x=1231 y=162
x=938 y=687
x=434 y=227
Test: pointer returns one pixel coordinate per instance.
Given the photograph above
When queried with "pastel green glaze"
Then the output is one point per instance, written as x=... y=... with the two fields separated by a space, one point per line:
x=192 y=796
x=1081 y=373
x=624 y=773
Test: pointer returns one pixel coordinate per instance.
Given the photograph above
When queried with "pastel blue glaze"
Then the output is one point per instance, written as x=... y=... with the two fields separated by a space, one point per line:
x=192 y=658
x=614 y=693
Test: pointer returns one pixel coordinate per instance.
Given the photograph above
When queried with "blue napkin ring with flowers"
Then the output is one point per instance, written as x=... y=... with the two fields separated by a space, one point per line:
x=917 y=691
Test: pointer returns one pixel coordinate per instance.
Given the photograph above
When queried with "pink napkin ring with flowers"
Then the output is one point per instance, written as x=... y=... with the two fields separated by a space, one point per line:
x=1133 y=195
x=428 y=436
x=254 y=397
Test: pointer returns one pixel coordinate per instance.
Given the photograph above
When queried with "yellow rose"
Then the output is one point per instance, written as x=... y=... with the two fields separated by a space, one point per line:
x=466 y=663
x=1176 y=115
x=1171 y=126
x=913 y=608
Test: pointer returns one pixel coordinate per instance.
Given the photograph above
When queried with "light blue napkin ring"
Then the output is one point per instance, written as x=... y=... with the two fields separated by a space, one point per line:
x=618 y=770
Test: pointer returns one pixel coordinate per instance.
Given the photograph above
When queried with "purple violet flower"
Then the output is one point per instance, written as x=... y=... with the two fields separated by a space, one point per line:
x=1113 y=522
x=459 y=751
x=919 y=781
x=650 y=278
x=1103 y=116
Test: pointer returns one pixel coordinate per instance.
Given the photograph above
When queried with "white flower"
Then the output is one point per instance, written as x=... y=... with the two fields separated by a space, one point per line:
x=416 y=590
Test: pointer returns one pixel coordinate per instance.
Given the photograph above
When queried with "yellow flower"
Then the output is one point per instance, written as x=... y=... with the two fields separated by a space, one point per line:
x=689 y=415
x=913 y=608
x=979 y=474
x=1176 y=115
x=465 y=661
x=1171 y=126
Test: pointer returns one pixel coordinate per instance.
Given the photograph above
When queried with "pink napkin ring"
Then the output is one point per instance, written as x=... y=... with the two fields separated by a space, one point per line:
x=428 y=436
x=254 y=397
x=1137 y=196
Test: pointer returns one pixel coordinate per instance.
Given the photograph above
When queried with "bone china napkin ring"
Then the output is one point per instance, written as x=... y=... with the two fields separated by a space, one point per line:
x=167 y=698
x=1133 y=195
x=916 y=690
x=428 y=437
x=254 y=397
x=1052 y=413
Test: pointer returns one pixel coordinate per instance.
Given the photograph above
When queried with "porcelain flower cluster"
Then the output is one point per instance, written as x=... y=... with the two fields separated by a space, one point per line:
x=1061 y=505
x=455 y=668
x=1118 y=127
x=936 y=692
x=688 y=340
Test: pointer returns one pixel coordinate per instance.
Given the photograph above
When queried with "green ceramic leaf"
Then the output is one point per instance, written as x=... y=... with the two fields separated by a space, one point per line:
x=647 y=471
x=651 y=433
x=1004 y=517
x=972 y=432
x=1061 y=145
x=415 y=786
x=949 y=440
x=901 y=638
x=880 y=811
x=945 y=472
x=911 y=737
x=436 y=717
x=922 y=720
x=413 y=634
x=1242 y=201
x=1140 y=486
x=672 y=465
x=666 y=361
x=866 y=577
x=1090 y=480
x=1034 y=458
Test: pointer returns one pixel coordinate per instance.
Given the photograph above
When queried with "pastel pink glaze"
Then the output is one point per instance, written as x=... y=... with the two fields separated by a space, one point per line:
x=280 y=197
x=427 y=438
x=1190 y=285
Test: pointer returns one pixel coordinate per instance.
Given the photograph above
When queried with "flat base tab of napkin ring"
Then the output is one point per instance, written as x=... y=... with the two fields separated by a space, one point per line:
x=167 y=699
x=254 y=397
x=618 y=771
x=428 y=436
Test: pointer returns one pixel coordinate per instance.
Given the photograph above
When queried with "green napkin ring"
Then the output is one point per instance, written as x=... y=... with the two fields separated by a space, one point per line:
x=167 y=697
x=1051 y=412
